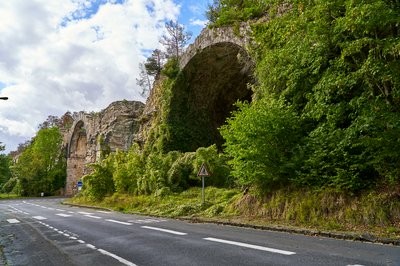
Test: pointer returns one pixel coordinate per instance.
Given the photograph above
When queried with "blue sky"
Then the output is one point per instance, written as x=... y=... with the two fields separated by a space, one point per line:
x=77 y=55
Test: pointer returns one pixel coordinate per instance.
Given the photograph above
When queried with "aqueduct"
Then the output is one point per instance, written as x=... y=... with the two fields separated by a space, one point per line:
x=215 y=72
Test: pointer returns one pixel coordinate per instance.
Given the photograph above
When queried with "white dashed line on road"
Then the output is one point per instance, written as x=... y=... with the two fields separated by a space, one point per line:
x=164 y=230
x=86 y=213
x=118 y=222
x=39 y=217
x=92 y=216
x=12 y=221
x=64 y=215
x=240 y=244
x=103 y=211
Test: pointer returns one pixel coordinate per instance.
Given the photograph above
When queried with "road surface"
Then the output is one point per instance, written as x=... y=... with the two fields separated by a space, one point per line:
x=44 y=232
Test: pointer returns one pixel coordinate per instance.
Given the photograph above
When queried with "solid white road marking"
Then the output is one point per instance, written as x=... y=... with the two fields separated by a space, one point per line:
x=39 y=217
x=91 y=216
x=118 y=222
x=122 y=260
x=63 y=215
x=283 y=252
x=12 y=221
x=164 y=230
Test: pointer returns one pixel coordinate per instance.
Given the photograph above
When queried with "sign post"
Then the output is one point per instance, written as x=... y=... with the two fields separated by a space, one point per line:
x=203 y=172
x=80 y=184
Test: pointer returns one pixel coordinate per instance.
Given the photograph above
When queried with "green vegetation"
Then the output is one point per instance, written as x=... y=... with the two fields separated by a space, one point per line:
x=8 y=196
x=318 y=145
x=5 y=172
x=41 y=167
x=326 y=111
x=138 y=173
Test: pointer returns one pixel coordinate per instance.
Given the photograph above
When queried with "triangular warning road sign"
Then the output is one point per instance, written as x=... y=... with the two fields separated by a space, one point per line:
x=203 y=170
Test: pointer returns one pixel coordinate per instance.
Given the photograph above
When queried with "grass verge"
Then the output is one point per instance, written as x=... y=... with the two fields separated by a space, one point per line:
x=8 y=196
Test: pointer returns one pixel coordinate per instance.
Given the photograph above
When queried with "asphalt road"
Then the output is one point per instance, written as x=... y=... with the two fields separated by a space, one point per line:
x=44 y=232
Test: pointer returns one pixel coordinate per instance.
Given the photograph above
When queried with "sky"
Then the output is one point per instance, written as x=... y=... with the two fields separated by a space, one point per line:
x=77 y=55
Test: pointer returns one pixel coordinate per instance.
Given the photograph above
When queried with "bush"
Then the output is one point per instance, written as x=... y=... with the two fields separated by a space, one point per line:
x=261 y=140
x=9 y=185
x=217 y=165
x=99 y=183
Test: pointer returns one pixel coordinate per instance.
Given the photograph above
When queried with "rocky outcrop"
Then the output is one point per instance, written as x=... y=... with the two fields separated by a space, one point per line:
x=93 y=133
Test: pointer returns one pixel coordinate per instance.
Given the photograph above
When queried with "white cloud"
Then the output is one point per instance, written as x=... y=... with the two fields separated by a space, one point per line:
x=198 y=22
x=55 y=63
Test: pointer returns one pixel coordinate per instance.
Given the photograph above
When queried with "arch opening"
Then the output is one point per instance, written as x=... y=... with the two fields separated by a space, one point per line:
x=77 y=150
x=205 y=95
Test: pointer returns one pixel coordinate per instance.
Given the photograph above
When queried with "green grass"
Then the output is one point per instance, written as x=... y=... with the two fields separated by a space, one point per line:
x=8 y=196
x=375 y=213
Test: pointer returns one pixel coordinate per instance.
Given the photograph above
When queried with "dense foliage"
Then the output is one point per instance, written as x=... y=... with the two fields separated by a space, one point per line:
x=161 y=174
x=334 y=67
x=325 y=111
x=226 y=12
x=41 y=167
x=5 y=173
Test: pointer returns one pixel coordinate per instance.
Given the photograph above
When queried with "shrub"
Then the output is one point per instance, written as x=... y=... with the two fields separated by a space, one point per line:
x=261 y=140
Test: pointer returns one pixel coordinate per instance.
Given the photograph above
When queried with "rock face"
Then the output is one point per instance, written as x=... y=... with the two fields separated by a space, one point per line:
x=91 y=133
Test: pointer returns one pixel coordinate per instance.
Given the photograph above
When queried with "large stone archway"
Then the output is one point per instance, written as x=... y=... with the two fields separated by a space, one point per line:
x=215 y=73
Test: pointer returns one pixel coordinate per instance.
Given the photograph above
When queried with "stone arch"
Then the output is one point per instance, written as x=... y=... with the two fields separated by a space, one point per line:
x=215 y=73
x=76 y=156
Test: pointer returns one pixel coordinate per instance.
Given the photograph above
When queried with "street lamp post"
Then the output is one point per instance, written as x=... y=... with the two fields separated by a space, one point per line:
x=3 y=98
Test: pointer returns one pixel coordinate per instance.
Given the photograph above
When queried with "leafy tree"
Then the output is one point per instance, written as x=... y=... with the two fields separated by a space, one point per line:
x=154 y=63
x=99 y=183
x=51 y=121
x=5 y=173
x=261 y=139
x=176 y=39
x=42 y=167
x=227 y=12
